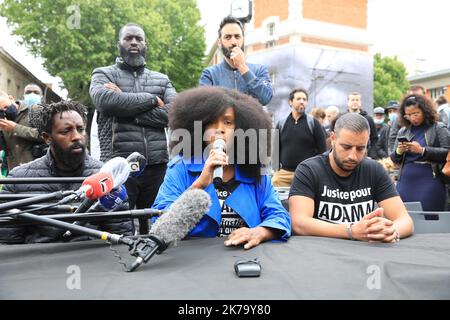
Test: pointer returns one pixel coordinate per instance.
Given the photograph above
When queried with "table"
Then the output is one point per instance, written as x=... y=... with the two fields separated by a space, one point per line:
x=202 y=268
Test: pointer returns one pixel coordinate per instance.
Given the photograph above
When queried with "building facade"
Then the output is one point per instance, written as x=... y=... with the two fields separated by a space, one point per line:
x=436 y=83
x=14 y=77
x=320 y=45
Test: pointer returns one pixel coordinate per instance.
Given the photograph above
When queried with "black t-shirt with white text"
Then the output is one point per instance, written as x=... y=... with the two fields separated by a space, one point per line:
x=230 y=219
x=342 y=199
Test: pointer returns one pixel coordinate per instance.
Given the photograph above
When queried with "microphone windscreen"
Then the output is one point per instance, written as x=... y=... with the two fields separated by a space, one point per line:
x=182 y=216
x=118 y=168
x=98 y=185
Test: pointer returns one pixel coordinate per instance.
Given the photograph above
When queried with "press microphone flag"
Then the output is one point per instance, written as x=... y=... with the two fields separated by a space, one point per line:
x=137 y=163
x=221 y=145
x=114 y=199
x=97 y=185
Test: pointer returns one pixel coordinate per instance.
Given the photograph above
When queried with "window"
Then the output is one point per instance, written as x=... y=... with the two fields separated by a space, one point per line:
x=272 y=76
x=436 y=92
x=271 y=29
x=270 y=44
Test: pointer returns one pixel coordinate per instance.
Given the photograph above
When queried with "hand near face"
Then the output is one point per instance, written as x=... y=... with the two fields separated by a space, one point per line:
x=216 y=158
x=237 y=58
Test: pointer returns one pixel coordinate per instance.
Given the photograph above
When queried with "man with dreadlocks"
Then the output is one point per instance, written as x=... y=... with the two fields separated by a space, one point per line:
x=62 y=126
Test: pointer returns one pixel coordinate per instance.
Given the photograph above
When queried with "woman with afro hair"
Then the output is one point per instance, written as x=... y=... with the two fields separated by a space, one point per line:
x=245 y=206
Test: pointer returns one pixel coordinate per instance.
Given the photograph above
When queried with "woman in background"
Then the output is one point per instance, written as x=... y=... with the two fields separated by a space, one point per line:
x=418 y=144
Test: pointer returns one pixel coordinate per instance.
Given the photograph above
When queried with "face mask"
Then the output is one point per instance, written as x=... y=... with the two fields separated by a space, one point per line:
x=10 y=113
x=392 y=117
x=31 y=99
x=378 y=121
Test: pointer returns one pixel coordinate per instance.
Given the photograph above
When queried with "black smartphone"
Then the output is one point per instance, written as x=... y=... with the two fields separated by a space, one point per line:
x=402 y=139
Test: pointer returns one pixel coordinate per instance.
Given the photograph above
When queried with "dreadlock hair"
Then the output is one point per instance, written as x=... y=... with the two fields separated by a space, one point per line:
x=206 y=104
x=41 y=116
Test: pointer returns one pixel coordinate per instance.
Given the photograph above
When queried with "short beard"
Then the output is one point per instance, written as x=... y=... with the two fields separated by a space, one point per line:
x=340 y=164
x=67 y=157
x=226 y=52
x=134 y=60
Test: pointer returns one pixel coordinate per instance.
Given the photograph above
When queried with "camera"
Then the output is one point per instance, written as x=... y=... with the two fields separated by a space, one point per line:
x=2 y=114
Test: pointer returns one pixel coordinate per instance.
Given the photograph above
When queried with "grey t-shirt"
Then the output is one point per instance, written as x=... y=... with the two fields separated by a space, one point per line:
x=342 y=199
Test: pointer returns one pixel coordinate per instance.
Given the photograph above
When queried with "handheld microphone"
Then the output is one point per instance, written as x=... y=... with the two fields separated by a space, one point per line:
x=137 y=163
x=175 y=224
x=221 y=145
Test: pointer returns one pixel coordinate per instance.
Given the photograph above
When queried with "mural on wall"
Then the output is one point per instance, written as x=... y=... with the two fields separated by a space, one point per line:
x=328 y=75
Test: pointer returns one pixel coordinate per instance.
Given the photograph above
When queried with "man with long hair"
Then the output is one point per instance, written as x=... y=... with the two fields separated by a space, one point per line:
x=235 y=72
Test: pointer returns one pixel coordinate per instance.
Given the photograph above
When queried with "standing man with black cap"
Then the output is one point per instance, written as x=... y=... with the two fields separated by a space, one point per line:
x=382 y=132
x=132 y=104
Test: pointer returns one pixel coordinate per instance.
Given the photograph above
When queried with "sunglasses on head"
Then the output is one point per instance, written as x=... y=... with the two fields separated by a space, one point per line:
x=411 y=101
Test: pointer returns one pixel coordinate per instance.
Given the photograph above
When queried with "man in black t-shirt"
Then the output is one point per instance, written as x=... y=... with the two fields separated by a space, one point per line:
x=300 y=137
x=334 y=194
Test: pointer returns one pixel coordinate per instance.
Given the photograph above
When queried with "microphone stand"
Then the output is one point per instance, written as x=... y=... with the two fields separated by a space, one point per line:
x=141 y=248
x=14 y=217
x=58 y=195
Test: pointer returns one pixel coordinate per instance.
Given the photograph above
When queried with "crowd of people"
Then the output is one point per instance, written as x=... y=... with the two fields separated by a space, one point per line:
x=328 y=159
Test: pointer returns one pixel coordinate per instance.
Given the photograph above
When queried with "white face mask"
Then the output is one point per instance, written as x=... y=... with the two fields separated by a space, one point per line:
x=31 y=99
x=378 y=121
x=392 y=117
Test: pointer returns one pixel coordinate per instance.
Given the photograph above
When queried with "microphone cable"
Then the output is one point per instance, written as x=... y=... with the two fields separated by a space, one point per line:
x=117 y=255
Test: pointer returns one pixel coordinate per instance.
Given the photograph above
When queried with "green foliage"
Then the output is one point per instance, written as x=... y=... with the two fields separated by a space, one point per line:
x=74 y=38
x=389 y=80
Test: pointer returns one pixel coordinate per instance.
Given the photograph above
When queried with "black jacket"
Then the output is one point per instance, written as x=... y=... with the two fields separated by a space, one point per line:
x=437 y=138
x=45 y=167
x=383 y=141
x=131 y=120
x=372 y=152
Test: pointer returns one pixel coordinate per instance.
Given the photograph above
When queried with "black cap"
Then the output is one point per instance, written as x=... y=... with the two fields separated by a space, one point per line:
x=392 y=105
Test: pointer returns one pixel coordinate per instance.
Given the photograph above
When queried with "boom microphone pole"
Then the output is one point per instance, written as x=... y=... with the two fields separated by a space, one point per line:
x=15 y=218
x=58 y=195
